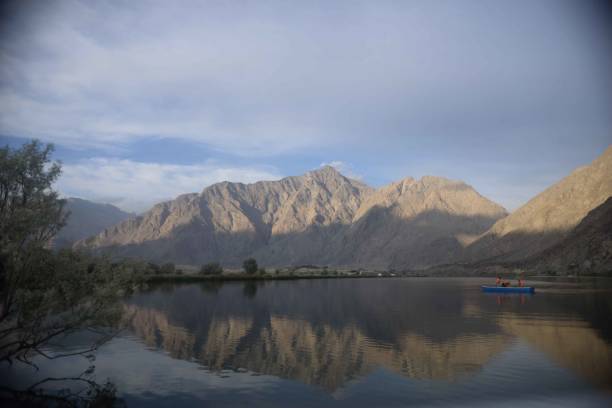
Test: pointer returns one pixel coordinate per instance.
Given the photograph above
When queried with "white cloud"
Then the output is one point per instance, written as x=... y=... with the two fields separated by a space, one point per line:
x=343 y=167
x=135 y=186
x=267 y=79
x=68 y=82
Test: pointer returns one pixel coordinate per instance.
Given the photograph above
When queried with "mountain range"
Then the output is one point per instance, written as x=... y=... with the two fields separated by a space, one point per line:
x=85 y=219
x=325 y=218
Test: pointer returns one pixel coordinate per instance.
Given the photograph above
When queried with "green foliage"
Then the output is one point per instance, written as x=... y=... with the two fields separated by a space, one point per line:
x=212 y=268
x=250 y=266
x=63 y=293
x=69 y=291
x=30 y=211
x=153 y=269
x=262 y=271
x=167 y=268
x=44 y=294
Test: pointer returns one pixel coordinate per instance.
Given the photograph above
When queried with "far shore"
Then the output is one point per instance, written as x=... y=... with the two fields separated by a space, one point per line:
x=241 y=276
x=260 y=277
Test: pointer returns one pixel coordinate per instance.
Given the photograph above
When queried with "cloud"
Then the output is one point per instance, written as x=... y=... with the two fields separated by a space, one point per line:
x=269 y=79
x=136 y=186
x=343 y=167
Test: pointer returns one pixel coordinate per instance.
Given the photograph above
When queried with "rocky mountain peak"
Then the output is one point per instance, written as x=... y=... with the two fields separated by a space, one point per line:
x=435 y=182
x=327 y=171
x=327 y=175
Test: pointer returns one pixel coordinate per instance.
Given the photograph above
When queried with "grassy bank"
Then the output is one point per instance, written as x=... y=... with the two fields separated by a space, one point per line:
x=178 y=278
x=237 y=276
x=186 y=273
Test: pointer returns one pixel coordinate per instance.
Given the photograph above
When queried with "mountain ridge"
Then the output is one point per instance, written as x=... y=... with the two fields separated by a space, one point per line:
x=548 y=217
x=298 y=219
x=325 y=218
x=588 y=247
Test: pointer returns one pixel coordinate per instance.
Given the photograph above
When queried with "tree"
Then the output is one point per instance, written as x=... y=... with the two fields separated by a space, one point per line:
x=44 y=295
x=167 y=268
x=212 y=268
x=31 y=213
x=250 y=266
x=152 y=268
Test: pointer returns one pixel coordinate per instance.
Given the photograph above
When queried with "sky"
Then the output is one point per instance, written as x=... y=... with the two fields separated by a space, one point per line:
x=147 y=100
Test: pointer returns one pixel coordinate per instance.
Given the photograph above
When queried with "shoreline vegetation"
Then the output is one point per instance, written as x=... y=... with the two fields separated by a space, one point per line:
x=189 y=273
x=174 y=278
x=240 y=276
x=150 y=272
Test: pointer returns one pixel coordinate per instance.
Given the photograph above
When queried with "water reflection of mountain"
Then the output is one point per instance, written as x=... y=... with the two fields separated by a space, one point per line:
x=572 y=344
x=350 y=328
x=319 y=355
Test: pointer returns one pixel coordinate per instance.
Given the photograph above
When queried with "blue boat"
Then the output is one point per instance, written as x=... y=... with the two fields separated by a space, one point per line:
x=508 y=289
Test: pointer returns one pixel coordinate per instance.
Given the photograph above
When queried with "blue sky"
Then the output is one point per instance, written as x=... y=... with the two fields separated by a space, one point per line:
x=146 y=100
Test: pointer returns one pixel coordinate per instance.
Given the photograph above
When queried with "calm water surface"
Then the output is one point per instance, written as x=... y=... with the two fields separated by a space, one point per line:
x=359 y=342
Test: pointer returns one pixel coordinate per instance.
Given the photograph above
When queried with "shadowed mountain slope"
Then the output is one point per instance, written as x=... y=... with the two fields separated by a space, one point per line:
x=587 y=248
x=549 y=217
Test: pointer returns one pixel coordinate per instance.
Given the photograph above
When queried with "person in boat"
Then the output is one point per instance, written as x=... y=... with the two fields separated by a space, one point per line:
x=498 y=281
x=520 y=282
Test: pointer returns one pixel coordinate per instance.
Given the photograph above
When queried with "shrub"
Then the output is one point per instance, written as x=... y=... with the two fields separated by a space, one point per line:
x=167 y=268
x=212 y=268
x=262 y=271
x=250 y=266
x=153 y=268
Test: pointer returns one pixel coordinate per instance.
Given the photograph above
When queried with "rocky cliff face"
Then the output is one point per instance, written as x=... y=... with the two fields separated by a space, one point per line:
x=321 y=217
x=549 y=217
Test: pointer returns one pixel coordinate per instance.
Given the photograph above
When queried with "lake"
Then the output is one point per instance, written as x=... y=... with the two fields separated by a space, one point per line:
x=358 y=342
